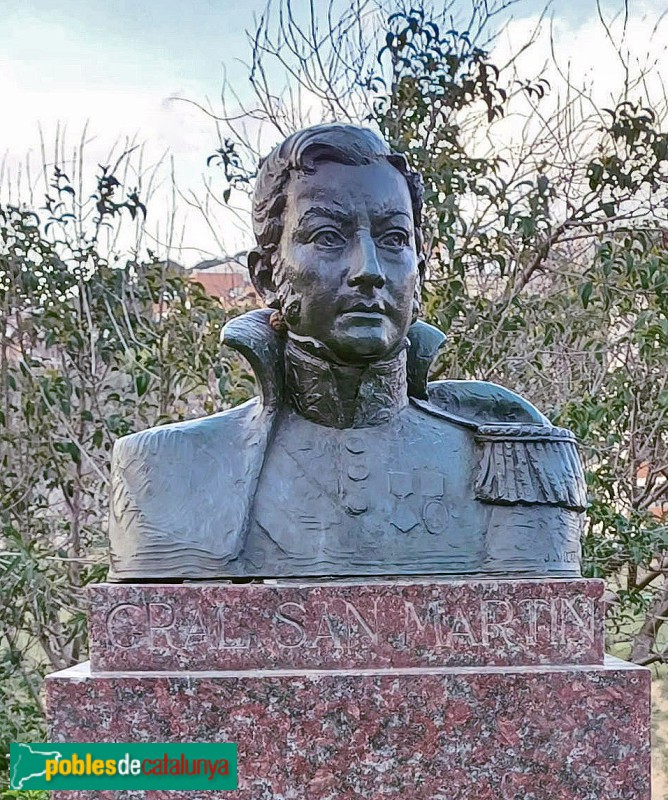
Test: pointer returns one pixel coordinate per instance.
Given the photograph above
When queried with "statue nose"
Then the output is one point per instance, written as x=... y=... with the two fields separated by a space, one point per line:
x=365 y=268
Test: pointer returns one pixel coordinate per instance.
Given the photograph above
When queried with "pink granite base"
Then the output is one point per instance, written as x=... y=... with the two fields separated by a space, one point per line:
x=513 y=733
x=424 y=689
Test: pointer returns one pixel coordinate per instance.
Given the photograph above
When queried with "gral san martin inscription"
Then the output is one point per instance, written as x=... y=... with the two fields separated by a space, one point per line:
x=340 y=625
x=428 y=624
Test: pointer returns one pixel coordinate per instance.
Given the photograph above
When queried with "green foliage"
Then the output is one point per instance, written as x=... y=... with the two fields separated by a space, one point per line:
x=94 y=345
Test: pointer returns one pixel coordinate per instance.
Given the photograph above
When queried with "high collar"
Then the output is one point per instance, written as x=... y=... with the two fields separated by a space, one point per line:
x=252 y=336
x=338 y=395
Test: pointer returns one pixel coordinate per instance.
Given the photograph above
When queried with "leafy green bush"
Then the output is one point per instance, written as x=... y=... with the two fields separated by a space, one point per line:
x=93 y=345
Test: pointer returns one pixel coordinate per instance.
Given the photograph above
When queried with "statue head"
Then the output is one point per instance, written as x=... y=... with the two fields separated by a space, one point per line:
x=337 y=219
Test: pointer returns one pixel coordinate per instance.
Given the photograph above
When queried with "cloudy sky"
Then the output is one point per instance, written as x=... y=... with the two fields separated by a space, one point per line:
x=117 y=65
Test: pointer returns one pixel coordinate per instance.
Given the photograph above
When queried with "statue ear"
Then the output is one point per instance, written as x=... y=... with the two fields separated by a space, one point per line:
x=262 y=275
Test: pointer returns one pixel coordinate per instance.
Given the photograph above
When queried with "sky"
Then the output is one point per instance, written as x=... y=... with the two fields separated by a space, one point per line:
x=119 y=65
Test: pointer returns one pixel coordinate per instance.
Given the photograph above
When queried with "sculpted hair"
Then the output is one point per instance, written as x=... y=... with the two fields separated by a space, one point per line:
x=302 y=151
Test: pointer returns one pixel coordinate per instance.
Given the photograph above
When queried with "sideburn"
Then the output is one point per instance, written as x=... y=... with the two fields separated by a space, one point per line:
x=290 y=303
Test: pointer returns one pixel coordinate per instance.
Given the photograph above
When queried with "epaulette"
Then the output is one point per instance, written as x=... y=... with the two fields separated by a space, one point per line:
x=522 y=458
x=529 y=464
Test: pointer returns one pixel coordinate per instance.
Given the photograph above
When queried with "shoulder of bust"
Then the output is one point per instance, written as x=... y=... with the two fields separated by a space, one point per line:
x=523 y=458
x=181 y=493
x=162 y=439
x=482 y=402
x=468 y=403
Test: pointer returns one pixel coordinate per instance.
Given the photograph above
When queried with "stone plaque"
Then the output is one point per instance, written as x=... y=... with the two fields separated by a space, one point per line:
x=343 y=625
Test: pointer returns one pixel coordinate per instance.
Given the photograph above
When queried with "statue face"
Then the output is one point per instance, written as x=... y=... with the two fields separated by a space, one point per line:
x=347 y=253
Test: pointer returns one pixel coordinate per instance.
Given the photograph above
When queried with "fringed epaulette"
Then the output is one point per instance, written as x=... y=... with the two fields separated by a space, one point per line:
x=529 y=463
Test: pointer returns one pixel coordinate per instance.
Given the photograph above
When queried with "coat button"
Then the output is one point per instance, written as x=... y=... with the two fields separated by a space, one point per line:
x=356 y=504
x=358 y=472
x=355 y=445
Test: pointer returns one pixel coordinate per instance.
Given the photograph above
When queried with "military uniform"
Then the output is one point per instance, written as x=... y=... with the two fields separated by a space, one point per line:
x=343 y=471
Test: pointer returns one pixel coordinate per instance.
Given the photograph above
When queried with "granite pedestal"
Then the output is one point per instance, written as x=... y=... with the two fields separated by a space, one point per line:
x=422 y=689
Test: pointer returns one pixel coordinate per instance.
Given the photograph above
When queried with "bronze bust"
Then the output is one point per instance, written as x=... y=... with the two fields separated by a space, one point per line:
x=350 y=463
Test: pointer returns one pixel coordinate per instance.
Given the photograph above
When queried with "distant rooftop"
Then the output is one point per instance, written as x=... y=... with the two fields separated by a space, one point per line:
x=236 y=264
x=226 y=278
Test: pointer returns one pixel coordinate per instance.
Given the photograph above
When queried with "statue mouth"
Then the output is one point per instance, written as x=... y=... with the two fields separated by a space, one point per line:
x=364 y=307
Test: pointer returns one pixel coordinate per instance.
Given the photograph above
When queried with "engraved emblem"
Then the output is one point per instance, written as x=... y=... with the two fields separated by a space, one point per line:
x=419 y=492
x=401 y=486
x=404 y=519
x=432 y=484
x=435 y=516
x=434 y=510
x=401 y=483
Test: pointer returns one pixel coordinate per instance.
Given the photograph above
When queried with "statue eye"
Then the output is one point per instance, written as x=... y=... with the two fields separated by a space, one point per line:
x=328 y=238
x=395 y=238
